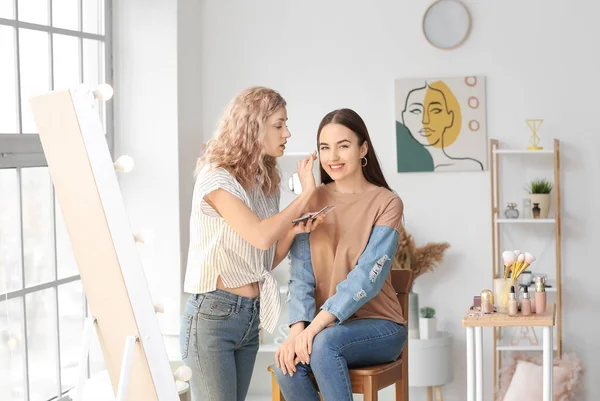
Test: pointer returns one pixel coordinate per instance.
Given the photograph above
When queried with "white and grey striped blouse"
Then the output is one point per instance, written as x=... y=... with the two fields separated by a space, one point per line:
x=217 y=250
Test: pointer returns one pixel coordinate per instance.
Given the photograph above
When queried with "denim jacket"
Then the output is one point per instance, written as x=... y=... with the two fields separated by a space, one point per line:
x=361 y=285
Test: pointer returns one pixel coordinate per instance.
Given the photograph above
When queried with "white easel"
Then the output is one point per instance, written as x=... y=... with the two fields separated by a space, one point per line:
x=130 y=342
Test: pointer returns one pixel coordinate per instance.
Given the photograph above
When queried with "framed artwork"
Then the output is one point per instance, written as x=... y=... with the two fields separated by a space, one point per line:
x=441 y=124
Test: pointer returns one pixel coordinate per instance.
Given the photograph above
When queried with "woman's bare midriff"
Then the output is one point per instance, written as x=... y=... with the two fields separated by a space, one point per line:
x=249 y=290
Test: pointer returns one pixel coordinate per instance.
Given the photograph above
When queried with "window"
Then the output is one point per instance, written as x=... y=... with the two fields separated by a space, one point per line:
x=44 y=45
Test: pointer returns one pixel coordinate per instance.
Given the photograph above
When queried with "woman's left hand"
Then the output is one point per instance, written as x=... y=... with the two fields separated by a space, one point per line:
x=304 y=343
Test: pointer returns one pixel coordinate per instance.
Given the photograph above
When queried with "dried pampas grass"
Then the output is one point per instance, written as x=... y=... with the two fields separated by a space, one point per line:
x=421 y=259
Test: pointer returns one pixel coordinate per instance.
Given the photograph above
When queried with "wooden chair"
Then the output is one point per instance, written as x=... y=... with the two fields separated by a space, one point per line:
x=369 y=380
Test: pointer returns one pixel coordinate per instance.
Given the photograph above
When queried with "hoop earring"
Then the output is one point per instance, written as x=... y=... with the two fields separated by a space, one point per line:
x=363 y=161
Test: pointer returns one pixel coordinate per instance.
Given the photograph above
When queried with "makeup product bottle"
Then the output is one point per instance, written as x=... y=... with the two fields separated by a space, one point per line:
x=526 y=208
x=540 y=295
x=511 y=211
x=513 y=304
x=525 y=303
x=487 y=301
x=536 y=210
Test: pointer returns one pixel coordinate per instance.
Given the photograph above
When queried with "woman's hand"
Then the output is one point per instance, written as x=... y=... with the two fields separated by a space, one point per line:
x=285 y=356
x=304 y=340
x=308 y=225
x=305 y=173
x=304 y=343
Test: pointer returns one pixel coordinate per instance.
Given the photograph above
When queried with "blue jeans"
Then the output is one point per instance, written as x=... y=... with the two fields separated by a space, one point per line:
x=219 y=340
x=353 y=344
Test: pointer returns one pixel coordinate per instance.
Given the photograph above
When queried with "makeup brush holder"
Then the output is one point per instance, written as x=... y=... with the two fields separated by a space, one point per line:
x=502 y=293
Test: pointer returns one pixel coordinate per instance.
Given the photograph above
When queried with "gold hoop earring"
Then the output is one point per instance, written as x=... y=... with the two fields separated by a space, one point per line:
x=363 y=161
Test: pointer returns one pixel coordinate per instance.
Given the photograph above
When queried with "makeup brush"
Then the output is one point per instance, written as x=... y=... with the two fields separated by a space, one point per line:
x=517 y=266
x=529 y=259
x=509 y=258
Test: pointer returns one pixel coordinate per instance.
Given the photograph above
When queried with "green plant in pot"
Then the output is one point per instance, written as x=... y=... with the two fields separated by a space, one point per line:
x=427 y=323
x=539 y=194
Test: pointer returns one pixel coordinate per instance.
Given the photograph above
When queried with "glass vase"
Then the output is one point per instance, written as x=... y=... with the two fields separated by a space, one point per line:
x=501 y=293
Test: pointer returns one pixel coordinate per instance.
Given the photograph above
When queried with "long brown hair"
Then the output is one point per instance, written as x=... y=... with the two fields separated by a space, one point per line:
x=351 y=120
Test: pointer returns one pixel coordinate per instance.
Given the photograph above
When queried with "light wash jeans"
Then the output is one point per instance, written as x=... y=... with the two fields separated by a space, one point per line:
x=219 y=340
x=352 y=344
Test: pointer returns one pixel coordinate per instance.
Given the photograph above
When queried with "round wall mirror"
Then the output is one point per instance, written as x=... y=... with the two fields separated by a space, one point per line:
x=446 y=24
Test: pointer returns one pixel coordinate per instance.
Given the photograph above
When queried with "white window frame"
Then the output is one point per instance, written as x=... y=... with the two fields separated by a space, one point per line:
x=19 y=151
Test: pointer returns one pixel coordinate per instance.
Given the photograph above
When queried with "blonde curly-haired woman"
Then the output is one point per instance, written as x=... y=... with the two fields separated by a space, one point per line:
x=237 y=235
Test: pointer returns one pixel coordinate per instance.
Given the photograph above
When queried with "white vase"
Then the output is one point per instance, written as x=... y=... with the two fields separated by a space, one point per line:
x=543 y=201
x=427 y=328
x=413 y=315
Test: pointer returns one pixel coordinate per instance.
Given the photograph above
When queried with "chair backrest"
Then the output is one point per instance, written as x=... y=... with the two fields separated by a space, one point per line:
x=402 y=282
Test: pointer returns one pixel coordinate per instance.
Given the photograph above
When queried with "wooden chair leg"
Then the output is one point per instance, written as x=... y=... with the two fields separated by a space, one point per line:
x=401 y=391
x=370 y=389
x=429 y=393
x=438 y=394
x=275 y=391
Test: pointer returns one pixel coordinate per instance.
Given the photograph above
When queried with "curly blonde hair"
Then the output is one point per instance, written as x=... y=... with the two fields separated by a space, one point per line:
x=237 y=144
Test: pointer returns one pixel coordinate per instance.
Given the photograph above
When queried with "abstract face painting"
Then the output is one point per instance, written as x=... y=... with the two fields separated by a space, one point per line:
x=440 y=124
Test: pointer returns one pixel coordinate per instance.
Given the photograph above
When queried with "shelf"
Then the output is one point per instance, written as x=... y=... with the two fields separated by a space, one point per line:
x=525 y=221
x=516 y=348
x=523 y=152
x=505 y=344
x=500 y=225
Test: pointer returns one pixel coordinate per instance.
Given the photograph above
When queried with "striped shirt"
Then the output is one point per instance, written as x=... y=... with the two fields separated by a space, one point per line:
x=216 y=250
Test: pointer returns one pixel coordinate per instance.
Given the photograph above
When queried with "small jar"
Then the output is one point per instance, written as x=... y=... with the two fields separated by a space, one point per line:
x=487 y=301
x=511 y=211
x=525 y=278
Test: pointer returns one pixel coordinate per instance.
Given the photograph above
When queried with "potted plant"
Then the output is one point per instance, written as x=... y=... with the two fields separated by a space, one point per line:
x=539 y=193
x=427 y=323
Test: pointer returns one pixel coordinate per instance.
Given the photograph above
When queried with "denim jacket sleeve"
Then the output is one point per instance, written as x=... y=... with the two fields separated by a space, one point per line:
x=365 y=281
x=301 y=287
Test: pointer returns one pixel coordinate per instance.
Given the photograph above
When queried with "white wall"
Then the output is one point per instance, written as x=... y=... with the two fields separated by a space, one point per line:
x=171 y=90
x=145 y=101
x=539 y=57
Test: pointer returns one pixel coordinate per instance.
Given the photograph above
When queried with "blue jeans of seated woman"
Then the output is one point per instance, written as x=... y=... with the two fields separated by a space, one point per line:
x=353 y=344
x=219 y=340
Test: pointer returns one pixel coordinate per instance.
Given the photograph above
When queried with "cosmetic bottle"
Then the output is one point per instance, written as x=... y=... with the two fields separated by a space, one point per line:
x=513 y=304
x=536 y=210
x=487 y=301
x=525 y=303
x=540 y=295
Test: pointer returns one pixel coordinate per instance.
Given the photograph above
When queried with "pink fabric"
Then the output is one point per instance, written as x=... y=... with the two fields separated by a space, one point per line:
x=521 y=379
